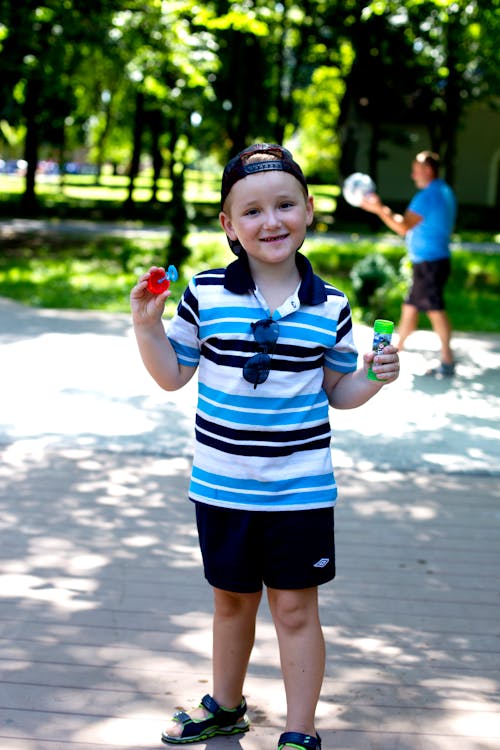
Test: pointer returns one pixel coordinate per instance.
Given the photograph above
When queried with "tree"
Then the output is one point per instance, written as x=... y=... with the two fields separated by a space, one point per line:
x=454 y=43
x=42 y=46
x=128 y=77
x=268 y=61
x=423 y=62
x=319 y=144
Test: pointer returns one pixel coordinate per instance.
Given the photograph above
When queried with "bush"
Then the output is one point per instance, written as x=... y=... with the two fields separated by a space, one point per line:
x=368 y=275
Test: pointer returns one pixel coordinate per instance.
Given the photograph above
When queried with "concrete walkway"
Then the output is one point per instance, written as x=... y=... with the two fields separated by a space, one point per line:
x=105 y=616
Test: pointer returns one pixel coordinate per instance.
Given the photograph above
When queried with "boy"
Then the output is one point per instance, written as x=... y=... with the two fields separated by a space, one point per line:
x=274 y=347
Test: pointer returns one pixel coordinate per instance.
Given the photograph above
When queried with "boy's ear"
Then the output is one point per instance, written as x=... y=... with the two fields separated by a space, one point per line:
x=227 y=226
x=310 y=210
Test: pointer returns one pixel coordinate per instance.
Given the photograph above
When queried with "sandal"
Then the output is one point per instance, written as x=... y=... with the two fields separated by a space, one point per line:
x=299 y=741
x=225 y=721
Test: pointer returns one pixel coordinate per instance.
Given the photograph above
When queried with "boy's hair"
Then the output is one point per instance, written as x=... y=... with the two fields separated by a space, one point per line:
x=261 y=157
x=431 y=159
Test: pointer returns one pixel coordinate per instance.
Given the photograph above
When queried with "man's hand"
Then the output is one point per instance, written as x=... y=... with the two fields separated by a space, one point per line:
x=372 y=203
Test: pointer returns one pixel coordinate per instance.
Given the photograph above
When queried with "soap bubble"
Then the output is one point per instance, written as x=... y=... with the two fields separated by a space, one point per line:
x=356 y=187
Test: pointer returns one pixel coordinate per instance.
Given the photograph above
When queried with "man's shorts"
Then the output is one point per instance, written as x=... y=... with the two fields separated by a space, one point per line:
x=244 y=550
x=429 y=279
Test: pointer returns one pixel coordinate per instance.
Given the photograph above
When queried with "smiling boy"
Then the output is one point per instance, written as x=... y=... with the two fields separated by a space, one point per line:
x=273 y=346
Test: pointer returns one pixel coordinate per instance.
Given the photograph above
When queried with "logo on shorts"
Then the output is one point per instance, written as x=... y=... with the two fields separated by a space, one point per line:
x=321 y=563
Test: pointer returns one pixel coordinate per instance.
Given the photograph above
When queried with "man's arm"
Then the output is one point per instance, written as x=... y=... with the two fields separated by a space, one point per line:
x=401 y=224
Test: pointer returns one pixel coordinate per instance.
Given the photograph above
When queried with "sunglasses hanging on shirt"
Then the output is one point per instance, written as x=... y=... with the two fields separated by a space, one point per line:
x=256 y=369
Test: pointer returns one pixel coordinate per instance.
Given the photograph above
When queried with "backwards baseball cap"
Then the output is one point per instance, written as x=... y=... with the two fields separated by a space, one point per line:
x=241 y=166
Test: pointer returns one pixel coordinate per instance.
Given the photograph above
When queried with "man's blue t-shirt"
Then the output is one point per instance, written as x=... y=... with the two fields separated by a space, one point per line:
x=429 y=240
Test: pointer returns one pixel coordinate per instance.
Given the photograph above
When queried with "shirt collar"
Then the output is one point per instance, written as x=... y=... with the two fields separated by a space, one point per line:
x=238 y=280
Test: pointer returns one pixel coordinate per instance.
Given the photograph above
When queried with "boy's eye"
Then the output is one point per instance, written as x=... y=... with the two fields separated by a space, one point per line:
x=282 y=205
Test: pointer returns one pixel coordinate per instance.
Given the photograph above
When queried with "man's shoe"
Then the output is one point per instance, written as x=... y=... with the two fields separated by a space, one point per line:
x=444 y=369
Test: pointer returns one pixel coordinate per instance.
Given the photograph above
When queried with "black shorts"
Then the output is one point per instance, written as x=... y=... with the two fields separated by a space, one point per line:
x=242 y=550
x=429 y=279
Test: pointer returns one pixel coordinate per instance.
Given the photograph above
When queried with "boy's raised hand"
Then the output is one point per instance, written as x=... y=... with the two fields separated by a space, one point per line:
x=147 y=308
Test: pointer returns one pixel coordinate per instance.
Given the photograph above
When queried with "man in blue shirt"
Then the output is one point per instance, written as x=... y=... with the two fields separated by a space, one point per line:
x=427 y=225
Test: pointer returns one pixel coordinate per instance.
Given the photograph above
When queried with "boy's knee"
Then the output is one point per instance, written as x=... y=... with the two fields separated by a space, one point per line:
x=292 y=612
x=229 y=604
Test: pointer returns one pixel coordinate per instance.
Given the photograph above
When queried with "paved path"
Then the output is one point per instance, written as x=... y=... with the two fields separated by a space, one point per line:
x=104 y=614
x=76 y=379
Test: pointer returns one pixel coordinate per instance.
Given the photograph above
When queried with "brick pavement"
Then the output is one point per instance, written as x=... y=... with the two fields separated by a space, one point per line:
x=104 y=614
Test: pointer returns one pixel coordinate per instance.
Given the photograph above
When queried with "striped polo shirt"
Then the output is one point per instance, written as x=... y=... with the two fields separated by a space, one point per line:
x=263 y=448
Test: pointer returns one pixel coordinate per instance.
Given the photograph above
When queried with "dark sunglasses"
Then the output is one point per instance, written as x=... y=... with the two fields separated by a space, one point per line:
x=256 y=369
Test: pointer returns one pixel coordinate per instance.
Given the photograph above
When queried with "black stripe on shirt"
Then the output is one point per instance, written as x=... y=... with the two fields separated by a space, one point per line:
x=240 y=449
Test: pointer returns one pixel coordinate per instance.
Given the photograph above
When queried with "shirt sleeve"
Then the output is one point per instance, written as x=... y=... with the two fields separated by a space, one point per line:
x=183 y=330
x=343 y=357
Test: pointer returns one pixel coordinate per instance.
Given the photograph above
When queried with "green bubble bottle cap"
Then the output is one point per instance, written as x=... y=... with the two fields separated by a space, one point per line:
x=383 y=326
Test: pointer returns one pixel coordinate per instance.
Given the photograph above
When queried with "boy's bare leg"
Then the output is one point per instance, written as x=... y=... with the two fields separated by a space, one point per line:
x=233 y=639
x=302 y=654
x=407 y=324
x=441 y=325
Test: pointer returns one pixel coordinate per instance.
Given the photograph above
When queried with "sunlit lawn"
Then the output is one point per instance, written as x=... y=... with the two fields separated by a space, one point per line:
x=98 y=274
x=200 y=187
x=111 y=188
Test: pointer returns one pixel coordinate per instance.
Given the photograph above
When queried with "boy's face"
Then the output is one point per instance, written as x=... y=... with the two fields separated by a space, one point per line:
x=268 y=213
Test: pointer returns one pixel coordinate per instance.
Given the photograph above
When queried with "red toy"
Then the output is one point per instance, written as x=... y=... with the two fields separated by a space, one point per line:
x=159 y=280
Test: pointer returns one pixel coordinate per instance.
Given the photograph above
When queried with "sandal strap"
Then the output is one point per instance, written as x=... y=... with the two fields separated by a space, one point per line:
x=210 y=704
x=181 y=716
x=299 y=741
x=223 y=716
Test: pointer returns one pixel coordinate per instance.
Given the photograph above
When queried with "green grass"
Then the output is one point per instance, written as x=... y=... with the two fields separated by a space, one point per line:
x=81 y=274
x=111 y=188
x=472 y=293
x=97 y=274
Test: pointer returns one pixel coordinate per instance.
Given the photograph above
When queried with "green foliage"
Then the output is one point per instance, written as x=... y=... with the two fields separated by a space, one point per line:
x=373 y=279
x=473 y=291
x=66 y=272
x=73 y=74
x=319 y=147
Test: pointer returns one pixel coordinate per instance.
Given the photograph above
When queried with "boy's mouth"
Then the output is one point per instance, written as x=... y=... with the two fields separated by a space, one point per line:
x=276 y=238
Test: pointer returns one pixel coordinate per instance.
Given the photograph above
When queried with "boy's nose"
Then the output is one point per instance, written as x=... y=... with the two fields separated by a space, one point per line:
x=271 y=219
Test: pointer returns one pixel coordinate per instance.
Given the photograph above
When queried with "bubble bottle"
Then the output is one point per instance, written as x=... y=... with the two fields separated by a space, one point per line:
x=382 y=334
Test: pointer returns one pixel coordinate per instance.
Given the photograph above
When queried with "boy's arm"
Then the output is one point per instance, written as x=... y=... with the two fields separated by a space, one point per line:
x=352 y=389
x=157 y=352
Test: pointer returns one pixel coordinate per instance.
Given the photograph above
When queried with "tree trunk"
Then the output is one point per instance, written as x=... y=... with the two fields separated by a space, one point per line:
x=156 y=129
x=453 y=108
x=136 y=147
x=101 y=143
x=177 y=252
x=29 y=200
